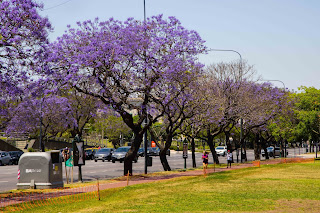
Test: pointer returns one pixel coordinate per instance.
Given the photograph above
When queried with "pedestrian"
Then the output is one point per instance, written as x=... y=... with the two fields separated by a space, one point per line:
x=205 y=162
x=229 y=158
x=66 y=154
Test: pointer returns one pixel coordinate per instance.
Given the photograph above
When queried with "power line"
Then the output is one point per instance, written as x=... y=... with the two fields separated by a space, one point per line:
x=56 y=5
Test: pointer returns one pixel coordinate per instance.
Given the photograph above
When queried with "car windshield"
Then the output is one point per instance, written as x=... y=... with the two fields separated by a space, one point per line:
x=122 y=149
x=220 y=147
x=103 y=150
x=270 y=148
x=13 y=153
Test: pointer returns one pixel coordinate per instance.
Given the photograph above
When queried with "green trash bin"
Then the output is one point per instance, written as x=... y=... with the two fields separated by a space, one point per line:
x=149 y=161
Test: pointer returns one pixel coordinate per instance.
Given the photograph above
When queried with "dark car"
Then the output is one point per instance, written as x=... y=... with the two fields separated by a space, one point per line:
x=5 y=158
x=103 y=154
x=120 y=153
x=152 y=151
x=15 y=156
x=141 y=152
x=90 y=154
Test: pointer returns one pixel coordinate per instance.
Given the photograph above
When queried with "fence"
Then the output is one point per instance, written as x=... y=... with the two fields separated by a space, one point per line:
x=28 y=199
x=297 y=160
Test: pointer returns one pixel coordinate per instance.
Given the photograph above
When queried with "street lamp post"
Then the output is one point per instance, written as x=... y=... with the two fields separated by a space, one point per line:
x=222 y=50
x=40 y=135
x=241 y=120
x=284 y=89
x=146 y=121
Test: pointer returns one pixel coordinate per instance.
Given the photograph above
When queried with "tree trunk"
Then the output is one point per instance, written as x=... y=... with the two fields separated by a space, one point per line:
x=163 y=156
x=132 y=153
x=229 y=146
x=256 y=148
x=193 y=149
x=212 y=148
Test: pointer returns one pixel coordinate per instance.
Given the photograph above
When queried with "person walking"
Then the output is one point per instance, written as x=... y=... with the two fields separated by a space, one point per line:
x=205 y=161
x=229 y=158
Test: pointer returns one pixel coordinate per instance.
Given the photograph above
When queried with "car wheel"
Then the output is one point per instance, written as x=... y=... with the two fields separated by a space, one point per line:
x=120 y=161
x=113 y=161
x=1 y=163
x=136 y=160
x=108 y=160
x=102 y=160
x=95 y=160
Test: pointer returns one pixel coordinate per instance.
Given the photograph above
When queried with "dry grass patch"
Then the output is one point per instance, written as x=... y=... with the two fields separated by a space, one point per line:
x=296 y=205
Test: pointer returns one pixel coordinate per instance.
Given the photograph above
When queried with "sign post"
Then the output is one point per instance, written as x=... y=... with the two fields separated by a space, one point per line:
x=185 y=153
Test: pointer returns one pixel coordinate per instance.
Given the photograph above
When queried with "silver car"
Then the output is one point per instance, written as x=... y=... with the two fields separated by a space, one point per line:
x=103 y=154
x=5 y=158
x=120 y=153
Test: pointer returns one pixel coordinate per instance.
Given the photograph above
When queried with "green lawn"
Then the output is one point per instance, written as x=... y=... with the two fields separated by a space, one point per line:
x=271 y=188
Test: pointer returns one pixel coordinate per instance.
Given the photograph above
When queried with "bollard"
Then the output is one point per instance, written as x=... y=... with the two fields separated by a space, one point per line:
x=98 y=189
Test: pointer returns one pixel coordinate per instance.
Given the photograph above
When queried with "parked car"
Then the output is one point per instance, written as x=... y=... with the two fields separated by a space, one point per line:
x=90 y=152
x=15 y=156
x=152 y=151
x=120 y=153
x=5 y=158
x=221 y=150
x=103 y=154
x=141 y=152
x=270 y=151
x=277 y=152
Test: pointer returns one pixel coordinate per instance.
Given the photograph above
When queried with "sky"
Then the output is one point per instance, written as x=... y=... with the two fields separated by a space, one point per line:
x=280 y=38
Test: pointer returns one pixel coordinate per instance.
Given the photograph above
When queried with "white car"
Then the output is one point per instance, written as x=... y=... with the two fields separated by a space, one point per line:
x=221 y=150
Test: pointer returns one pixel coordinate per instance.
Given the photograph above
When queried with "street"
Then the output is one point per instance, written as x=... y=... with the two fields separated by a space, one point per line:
x=107 y=170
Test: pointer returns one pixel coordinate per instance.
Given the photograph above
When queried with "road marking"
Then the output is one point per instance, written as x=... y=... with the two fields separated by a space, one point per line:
x=3 y=181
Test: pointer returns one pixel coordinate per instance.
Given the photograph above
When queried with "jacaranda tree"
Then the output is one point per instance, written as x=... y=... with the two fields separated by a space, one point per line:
x=127 y=65
x=23 y=34
x=53 y=113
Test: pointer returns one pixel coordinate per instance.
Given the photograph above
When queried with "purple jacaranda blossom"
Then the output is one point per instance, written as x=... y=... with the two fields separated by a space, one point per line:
x=56 y=113
x=131 y=65
x=23 y=35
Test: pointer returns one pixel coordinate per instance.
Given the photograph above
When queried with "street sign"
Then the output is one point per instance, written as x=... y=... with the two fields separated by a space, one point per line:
x=78 y=151
x=185 y=149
